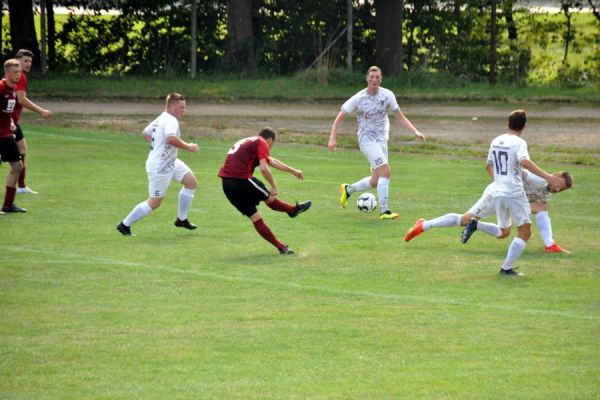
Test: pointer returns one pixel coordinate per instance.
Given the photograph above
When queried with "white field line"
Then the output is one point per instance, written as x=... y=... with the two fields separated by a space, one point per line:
x=297 y=286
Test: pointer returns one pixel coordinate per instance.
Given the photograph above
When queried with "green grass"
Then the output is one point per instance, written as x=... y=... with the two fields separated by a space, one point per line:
x=217 y=313
x=227 y=88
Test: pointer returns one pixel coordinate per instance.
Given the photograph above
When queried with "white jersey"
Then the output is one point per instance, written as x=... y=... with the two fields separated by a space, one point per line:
x=505 y=155
x=536 y=188
x=372 y=113
x=161 y=159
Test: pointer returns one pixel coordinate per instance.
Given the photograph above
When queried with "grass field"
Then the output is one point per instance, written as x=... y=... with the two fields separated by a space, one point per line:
x=86 y=313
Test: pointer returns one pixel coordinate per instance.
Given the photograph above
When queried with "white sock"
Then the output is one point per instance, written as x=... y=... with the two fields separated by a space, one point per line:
x=359 y=186
x=383 y=189
x=138 y=212
x=489 y=228
x=514 y=251
x=442 y=222
x=545 y=227
x=185 y=202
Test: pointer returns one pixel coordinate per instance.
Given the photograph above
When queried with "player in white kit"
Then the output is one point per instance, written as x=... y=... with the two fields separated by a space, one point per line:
x=163 y=166
x=372 y=106
x=538 y=193
x=507 y=154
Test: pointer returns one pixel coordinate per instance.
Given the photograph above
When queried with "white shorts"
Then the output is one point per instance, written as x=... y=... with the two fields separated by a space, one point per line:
x=159 y=183
x=516 y=209
x=484 y=207
x=376 y=152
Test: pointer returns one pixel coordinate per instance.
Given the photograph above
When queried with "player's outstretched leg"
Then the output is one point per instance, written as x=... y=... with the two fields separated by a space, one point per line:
x=468 y=231
x=415 y=231
x=300 y=208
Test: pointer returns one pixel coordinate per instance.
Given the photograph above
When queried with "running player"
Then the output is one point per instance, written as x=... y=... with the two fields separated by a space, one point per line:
x=372 y=106
x=25 y=58
x=245 y=192
x=163 y=166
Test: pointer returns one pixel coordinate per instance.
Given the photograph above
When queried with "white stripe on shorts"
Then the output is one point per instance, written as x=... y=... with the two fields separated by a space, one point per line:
x=263 y=191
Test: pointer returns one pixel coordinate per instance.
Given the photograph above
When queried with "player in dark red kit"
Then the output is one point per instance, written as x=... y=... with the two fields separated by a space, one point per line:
x=245 y=191
x=25 y=58
x=9 y=152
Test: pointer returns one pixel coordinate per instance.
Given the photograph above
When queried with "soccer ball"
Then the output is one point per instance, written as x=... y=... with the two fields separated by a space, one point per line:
x=366 y=202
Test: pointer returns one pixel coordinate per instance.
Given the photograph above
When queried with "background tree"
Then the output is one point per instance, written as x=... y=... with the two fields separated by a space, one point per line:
x=388 y=21
x=566 y=6
x=493 y=43
x=595 y=5
x=240 y=34
x=22 y=28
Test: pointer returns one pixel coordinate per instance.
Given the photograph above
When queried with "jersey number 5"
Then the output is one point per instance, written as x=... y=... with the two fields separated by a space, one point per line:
x=501 y=161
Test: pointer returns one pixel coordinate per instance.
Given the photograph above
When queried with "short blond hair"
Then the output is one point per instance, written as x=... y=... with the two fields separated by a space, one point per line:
x=373 y=68
x=174 y=97
x=11 y=62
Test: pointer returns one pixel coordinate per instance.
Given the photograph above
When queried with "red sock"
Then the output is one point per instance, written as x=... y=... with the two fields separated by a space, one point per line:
x=9 y=196
x=22 y=174
x=264 y=231
x=282 y=206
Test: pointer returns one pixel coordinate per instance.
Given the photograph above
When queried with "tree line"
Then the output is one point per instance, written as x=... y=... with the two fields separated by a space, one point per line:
x=477 y=39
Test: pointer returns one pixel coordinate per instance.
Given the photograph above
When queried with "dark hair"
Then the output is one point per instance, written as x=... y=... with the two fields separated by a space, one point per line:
x=567 y=177
x=268 y=133
x=517 y=120
x=24 y=53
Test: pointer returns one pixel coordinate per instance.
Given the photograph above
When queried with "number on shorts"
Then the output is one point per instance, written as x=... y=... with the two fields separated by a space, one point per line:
x=378 y=161
x=501 y=161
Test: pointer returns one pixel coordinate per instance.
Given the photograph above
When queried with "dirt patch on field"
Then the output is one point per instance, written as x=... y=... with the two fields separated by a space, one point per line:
x=549 y=124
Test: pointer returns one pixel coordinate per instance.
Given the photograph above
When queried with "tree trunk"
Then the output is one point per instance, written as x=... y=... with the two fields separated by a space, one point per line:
x=241 y=35
x=565 y=8
x=349 y=44
x=493 y=44
x=1 y=19
x=594 y=10
x=22 y=29
x=51 y=34
x=44 y=36
x=194 y=35
x=388 y=37
x=507 y=10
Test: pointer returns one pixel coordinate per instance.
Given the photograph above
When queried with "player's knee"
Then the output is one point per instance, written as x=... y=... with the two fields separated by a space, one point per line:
x=505 y=233
x=154 y=202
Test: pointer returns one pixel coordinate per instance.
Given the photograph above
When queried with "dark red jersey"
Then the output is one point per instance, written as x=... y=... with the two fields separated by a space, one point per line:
x=8 y=102
x=21 y=85
x=243 y=157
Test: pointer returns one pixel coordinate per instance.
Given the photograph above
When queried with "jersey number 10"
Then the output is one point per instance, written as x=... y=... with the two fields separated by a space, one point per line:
x=501 y=162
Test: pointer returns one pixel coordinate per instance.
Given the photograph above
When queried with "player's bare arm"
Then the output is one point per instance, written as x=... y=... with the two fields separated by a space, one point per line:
x=334 y=128
x=30 y=105
x=554 y=181
x=401 y=118
x=266 y=172
x=490 y=170
x=180 y=144
x=275 y=163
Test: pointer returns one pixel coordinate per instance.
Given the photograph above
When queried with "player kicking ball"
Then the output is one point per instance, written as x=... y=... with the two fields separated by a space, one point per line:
x=245 y=192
